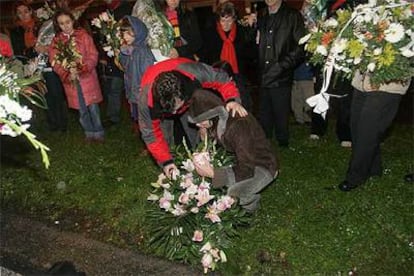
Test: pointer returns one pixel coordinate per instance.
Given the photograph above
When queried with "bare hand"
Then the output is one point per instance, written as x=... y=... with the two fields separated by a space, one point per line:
x=169 y=170
x=203 y=168
x=234 y=107
x=203 y=133
x=173 y=53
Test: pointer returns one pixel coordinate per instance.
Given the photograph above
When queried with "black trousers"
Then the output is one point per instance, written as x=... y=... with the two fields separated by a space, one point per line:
x=56 y=104
x=274 y=110
x=371 y=114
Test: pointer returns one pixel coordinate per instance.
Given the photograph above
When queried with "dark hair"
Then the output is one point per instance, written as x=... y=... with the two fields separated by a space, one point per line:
x=125 y=26
x=61 y=12
x=18 y=4
x=167 y=87
x=226 y=9
x=224 y=66
x=162 y=5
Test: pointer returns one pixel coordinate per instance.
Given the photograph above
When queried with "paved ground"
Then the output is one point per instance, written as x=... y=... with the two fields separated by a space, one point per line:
x=31 y=248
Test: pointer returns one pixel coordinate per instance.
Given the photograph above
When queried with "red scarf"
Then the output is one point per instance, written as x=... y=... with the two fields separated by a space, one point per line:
x=172 y=16
x=228 y=52
x=29 y=35
x=337 y=4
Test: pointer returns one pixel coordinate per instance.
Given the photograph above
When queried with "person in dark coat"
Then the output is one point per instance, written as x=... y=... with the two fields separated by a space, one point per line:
x=255 y=166
x=231 y=43
x=279 y=54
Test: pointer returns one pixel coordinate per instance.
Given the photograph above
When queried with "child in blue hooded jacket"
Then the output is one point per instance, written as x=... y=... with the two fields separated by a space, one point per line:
x=135 y=58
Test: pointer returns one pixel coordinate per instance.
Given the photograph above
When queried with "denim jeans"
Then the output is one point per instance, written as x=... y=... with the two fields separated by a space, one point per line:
x=113 y=87
x=89 y=117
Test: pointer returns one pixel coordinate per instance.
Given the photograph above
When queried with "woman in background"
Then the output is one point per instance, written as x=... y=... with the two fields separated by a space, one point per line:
x=79 y=80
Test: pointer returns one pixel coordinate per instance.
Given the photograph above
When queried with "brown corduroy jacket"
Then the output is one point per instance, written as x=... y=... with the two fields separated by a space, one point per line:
x=242 y=136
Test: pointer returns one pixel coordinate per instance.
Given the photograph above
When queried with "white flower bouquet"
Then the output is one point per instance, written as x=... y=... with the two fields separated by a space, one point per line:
x=190 y=220
x=375 y=38
x=109 y=28
x=46 y=12
x=14 y=117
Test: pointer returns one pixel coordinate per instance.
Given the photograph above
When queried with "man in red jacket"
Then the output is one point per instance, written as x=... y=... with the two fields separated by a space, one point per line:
x=166 y=89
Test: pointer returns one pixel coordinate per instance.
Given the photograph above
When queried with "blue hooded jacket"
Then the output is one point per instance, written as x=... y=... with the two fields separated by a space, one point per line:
x=135 y=59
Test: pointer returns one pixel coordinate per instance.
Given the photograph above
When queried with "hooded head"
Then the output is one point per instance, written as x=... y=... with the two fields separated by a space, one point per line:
x=205 y=105
x=140 y=31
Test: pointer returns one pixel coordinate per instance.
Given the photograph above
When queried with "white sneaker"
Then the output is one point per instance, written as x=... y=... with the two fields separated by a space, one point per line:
x=314 y=137
x=346 y=144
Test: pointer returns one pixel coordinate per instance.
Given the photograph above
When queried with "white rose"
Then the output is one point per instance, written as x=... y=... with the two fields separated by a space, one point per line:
x=322 y=50
x=394 y=33
x=377 y=51
x=371 y=67
x=331 y=22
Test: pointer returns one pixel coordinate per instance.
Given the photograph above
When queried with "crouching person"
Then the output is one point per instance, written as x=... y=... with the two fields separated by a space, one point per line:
x=255 y=166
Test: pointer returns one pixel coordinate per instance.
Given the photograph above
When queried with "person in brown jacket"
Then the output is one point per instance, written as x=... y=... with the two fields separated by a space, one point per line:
x=255 y=164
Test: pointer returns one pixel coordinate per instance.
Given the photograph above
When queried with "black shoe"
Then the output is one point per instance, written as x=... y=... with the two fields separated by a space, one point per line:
x=345 y=186
x=409 y=177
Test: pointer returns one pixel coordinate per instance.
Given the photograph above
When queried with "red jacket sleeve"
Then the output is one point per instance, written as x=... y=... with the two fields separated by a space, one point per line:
x=150 y=128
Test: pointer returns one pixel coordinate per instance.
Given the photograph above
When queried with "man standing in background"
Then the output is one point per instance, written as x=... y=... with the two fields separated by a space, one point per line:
x=279 y=31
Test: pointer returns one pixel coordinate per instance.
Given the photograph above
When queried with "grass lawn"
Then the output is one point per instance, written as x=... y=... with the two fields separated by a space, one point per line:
x=305 y=225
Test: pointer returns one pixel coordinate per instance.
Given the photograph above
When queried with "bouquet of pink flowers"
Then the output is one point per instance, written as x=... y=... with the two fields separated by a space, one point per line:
x=191 y=221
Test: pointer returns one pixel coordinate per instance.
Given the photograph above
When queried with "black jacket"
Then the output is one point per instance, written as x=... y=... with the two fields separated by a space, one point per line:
x=17 y=41
x=190 y=32
x=279 y=52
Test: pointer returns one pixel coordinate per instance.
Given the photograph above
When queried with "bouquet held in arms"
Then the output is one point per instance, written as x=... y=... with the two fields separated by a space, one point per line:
x=68 y=56
x=190 y=220
x=374 y=39
x=110 y=31
x=15 y=117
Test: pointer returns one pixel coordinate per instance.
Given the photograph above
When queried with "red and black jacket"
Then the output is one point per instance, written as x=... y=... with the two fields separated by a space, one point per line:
x=150 y=114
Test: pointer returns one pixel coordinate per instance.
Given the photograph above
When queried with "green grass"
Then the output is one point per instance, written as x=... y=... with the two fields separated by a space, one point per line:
x=305 y=226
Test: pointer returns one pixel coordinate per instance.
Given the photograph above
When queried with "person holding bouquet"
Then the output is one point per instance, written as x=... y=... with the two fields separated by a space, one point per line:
x=74 y=57
x=255 y=164
x=373 y=109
